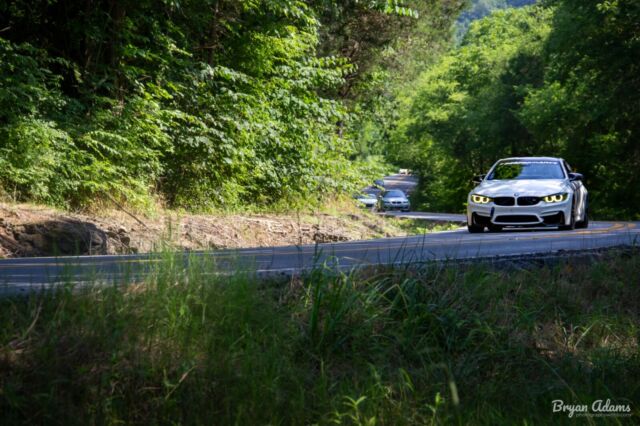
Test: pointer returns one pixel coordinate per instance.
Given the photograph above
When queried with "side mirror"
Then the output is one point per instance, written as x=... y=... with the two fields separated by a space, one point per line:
x=575 y=176
x=477 y=179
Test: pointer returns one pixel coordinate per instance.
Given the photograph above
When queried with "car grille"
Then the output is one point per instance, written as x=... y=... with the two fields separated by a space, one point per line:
x=528 y=201
x=517 y=218
x=504 y=201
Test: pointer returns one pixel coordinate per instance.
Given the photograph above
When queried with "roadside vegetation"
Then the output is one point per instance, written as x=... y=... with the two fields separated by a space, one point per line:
x=421 y=226
x=221 y=104
x=434 y=344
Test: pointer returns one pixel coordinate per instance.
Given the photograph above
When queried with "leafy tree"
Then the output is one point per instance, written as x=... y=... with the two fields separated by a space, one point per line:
x=202 y=104
x=558 y=80
x=463 y=114
x=481 y=8
x=590 y=102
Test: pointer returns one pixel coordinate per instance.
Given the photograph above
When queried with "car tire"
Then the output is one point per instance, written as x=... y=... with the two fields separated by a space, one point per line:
x=494 y=228
x=572 y=223
x=584 y=223
x=475 y=229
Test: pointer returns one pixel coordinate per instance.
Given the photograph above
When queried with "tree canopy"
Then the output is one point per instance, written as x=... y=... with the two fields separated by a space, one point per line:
x=558 y=80
x=201 y=103
x=217 y=103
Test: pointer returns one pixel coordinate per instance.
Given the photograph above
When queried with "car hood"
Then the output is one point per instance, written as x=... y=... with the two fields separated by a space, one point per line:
x=391 y=199
x=531 y=187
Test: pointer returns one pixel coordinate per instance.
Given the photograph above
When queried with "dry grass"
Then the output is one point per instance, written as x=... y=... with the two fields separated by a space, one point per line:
x=31 y=230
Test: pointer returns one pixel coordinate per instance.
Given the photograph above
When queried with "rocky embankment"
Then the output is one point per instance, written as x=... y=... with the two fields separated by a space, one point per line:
x=28 y=230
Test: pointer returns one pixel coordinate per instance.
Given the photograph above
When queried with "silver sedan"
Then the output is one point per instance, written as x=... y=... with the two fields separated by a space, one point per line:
x=366 y=199
x=528 y=191
x=393 y=199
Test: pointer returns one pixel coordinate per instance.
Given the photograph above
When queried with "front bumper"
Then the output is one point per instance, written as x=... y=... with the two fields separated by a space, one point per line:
x=542 y=214
x=396 y=206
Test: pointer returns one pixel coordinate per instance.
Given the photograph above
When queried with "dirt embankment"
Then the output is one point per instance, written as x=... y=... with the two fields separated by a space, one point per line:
x=28 y=230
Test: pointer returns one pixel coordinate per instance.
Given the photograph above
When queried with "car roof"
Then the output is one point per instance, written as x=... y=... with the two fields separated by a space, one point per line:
x=532 y=159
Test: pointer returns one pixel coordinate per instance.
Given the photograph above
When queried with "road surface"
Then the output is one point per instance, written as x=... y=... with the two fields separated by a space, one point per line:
x=26 y=274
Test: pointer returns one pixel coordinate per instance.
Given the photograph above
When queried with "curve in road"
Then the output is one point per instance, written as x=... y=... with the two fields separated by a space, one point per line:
x=27 y=274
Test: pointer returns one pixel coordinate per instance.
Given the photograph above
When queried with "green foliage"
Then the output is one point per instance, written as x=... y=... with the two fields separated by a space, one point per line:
x=427 y=345
x=202 y=104
x=590 y=102
x=32 y=156
x=462 y=117
x=481 y=8
x=50 y=152
x=559 y=80
x=387 y=50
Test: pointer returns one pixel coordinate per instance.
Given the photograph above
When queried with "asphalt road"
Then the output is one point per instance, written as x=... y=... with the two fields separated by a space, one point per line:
x=27 y=274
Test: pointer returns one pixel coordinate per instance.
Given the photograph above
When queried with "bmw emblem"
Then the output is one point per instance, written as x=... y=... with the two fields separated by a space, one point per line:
x=516 y=194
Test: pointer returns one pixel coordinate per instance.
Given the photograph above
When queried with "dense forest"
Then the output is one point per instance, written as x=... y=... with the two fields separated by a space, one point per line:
x=198 y=104
x=225 y=103
x=560 y=79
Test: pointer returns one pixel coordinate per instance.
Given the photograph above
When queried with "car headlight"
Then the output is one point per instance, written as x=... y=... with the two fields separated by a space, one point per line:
x=480 y=199
x=556 y=198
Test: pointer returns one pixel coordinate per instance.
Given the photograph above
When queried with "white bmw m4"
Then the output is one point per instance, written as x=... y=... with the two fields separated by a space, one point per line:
x=528 y=192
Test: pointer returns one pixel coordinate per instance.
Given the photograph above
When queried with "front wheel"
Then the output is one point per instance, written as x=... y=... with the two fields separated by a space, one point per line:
x=584 y=223
x=572 y=222
x=475 y=229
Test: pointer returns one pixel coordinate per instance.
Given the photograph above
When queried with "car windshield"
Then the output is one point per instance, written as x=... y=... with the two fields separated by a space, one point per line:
x=394 y=193
x=518 y=170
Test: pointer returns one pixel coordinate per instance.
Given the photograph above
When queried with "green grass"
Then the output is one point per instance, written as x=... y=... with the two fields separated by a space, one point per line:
x=436 y=345
x=421 y=226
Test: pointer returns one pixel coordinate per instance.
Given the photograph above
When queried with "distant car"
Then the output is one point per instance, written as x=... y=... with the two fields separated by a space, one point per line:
x=393 y=199
x=366 y=199
x=528 y=191
x=406 y=172
x=378 y=183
